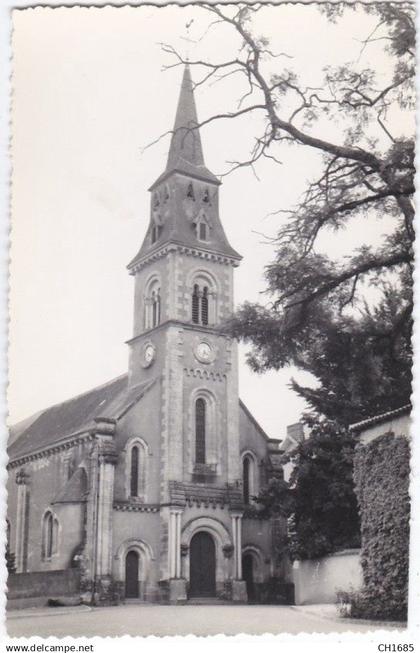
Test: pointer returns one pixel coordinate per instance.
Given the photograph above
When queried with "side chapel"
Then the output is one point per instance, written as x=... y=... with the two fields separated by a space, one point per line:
x=144 y=485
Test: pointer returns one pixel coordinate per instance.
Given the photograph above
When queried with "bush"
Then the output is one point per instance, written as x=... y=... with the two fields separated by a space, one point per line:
x=10 y=560
x=381 y=472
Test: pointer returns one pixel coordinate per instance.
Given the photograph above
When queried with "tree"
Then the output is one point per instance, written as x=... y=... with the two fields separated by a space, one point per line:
x=320 y=308
x=319 y=499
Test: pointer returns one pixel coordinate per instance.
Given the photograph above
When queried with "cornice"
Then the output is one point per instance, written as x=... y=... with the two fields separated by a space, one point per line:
x=187 y=250
x=190 y=174
x=126 y=506
x=188 y=326
x=50 y=451
x=205 y=374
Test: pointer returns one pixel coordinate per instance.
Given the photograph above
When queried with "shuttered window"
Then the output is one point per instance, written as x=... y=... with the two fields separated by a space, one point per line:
x=205 y=307
x=195 y=305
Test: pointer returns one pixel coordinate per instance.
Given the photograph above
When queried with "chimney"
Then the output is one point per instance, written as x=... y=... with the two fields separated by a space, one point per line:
x=295 y=431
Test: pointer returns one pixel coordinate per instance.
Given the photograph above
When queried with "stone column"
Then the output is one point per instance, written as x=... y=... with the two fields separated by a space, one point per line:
x=107 y=459
x=177 y=585
x=239 y=593
x=21 y=523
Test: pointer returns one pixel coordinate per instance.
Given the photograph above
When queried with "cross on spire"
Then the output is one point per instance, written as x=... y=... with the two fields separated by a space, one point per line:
x=188 y=39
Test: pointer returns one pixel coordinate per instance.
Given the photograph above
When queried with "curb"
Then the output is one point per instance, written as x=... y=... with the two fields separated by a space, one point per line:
x=41 y=612
x=367 y=622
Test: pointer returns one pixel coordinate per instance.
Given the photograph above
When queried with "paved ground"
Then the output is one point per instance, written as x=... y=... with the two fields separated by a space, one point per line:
x=177 y=620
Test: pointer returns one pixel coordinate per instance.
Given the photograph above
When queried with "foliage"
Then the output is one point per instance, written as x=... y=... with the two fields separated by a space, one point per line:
x=360 y=370
x=319 y=499
x=10 y=560
x=318 y=315
x=382 y=469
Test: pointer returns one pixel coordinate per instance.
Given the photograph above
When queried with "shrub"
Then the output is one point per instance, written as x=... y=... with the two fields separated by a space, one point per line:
x=381 y=472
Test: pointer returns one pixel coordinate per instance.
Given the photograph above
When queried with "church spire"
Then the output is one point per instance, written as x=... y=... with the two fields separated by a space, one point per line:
x=185 y=151
x=186 y=141
x=185 y=198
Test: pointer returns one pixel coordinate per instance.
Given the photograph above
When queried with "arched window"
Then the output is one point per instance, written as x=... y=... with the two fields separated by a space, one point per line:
x=205 y=306
x=136 y=469
x=155 y=307
x=200 y=431
x=49 y=535
x=196 y=304
x=134 y=472
x=203 y=302
x=245 y=478
x=152 y=305
x=249 y=477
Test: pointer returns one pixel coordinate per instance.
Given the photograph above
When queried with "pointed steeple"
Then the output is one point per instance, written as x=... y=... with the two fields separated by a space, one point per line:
x=186 y=141
x=185 y=198
x=185 y=151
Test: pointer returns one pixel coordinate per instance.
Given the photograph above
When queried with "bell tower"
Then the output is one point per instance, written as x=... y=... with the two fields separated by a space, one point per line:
x=183 y=292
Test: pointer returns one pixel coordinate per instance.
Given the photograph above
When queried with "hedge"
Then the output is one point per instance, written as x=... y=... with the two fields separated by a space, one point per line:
x=381 y=472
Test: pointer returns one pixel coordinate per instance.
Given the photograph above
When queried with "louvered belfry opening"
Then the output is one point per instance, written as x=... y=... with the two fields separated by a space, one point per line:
x=200 y=305
x=196 y=304
x=205 y=306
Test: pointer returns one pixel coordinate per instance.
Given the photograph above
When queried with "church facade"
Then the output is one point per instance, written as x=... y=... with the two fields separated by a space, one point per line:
x=145 y=484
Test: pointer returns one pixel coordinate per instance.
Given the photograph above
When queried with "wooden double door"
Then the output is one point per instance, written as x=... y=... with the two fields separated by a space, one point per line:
x=202 y=566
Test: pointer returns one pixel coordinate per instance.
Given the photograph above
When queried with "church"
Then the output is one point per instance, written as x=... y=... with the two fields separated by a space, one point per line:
x=143 y=488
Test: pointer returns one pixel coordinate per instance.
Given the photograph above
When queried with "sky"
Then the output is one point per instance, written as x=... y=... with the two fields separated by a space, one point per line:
x=90 y=92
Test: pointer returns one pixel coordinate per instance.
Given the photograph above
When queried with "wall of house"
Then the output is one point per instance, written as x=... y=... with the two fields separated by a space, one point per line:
x=317 y=581
x=399 y=426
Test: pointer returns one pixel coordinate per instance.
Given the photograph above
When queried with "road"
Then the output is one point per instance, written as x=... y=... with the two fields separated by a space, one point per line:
x=149 y=619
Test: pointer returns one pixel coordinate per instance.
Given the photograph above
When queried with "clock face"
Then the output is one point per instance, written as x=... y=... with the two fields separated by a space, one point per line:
x=204 y=352
x=149 y=354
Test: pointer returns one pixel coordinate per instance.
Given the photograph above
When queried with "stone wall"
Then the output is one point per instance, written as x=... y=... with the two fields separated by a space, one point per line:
x=48 y=584
x=317 y=581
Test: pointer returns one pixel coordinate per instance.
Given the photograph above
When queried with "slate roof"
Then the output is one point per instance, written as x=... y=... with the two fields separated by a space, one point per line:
x=185 y=151
x=76 y=415
x=186 y=157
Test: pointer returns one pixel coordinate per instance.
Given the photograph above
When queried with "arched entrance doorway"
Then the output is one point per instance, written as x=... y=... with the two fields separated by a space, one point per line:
x=132 y=575
x=248 y=575
x=202 y=565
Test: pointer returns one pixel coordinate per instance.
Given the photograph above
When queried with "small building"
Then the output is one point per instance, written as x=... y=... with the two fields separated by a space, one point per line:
x=139 y=487
x=394 y=421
